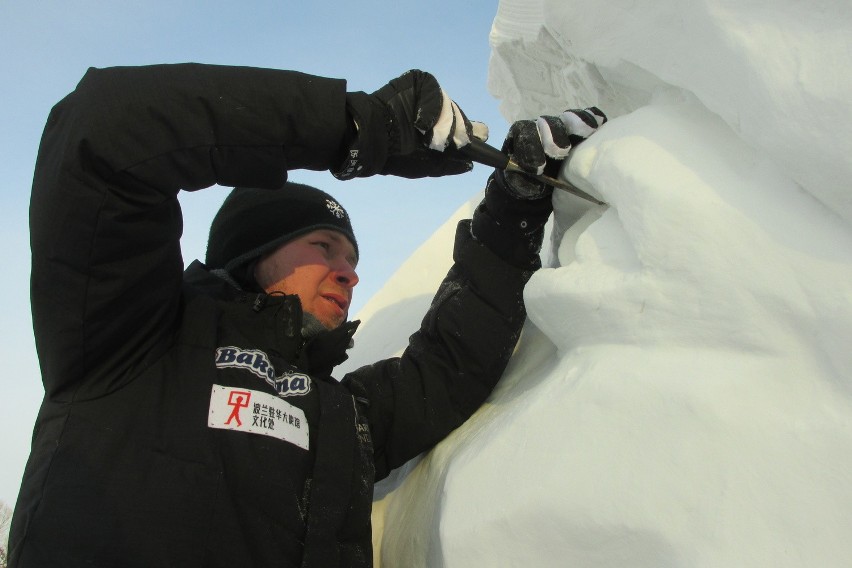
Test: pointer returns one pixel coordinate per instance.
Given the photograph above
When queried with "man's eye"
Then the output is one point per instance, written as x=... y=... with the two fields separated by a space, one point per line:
x=325 y=245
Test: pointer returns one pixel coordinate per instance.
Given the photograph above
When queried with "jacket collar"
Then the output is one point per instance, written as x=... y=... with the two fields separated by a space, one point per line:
x=319 y=353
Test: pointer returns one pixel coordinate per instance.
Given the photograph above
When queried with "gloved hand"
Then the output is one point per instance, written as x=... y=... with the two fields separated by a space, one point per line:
x=540 y=145
x=404 y=128
x=511 y=218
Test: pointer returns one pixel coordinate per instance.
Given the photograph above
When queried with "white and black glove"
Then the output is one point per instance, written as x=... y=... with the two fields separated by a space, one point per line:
x=540 y=145
x=403 y=129
x=511 y=218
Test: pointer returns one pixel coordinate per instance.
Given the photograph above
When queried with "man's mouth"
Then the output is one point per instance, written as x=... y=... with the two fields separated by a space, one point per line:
x=340 y=301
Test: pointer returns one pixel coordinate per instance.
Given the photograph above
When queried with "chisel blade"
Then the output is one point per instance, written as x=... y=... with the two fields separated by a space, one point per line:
x=483 y=153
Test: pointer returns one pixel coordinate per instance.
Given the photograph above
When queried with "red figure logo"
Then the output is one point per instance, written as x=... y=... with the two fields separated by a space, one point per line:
x=239 y=400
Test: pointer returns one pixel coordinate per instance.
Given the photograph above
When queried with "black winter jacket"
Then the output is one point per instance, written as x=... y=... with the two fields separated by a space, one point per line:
x=186 y=422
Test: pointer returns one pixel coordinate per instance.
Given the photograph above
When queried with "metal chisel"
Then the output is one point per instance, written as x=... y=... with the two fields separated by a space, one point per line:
x=483 y=153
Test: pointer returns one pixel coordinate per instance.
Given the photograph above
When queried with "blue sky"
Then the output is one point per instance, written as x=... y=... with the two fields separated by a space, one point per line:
x=46 y=47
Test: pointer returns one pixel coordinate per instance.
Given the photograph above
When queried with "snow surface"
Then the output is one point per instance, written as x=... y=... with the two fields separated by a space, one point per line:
x=682 y=395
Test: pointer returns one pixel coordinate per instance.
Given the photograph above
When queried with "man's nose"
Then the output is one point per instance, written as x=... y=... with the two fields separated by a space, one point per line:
x=345 y=274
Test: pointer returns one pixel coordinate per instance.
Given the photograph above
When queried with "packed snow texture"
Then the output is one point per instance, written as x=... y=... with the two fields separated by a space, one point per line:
x=682 y=394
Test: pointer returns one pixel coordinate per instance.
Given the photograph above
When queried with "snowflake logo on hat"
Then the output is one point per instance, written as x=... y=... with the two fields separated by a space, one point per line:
x=335 y=208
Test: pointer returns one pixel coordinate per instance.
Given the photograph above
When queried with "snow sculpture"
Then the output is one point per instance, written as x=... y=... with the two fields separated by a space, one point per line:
x=682 y=395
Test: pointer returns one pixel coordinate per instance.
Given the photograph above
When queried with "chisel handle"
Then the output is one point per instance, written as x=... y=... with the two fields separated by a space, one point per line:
x=485 y=154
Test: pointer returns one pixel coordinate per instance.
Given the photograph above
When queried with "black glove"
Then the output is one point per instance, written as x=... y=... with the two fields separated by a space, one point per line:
x=540 y=145
x=403 y=129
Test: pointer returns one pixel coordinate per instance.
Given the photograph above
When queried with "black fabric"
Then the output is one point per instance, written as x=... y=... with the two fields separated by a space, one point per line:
x=331 y=485
x=414 y=101
x=511 y=227
x=523 y=145
x=394 y=128
x=593 y=117
x=368 y=145
x=540 y=146
x=252 y=222
x=125 y=468
x=454 y=360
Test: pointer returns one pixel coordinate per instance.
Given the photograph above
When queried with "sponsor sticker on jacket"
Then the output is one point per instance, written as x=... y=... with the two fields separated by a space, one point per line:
x=255 y=361
x=256 y=412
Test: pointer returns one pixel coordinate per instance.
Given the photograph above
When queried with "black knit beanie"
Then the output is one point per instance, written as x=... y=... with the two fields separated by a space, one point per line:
x=253 y=222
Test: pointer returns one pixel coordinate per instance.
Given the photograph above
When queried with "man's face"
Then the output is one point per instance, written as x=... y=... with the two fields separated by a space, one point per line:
x=319 y=267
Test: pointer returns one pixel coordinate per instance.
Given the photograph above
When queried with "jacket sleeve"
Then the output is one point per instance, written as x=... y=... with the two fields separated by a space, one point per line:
x=452 y=362
x=104 y=216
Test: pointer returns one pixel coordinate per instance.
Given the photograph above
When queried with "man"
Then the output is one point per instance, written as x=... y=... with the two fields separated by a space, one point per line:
x=190 y=419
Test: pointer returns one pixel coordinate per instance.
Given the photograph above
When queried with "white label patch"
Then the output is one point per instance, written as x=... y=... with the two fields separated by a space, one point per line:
x=257 y=412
